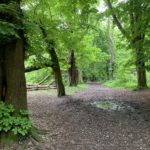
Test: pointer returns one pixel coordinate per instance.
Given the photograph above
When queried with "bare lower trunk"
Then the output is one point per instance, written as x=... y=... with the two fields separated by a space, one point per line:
x=1 y=82
x=141 y=71
x=72 y=71
x=55 y=64
x=1 y=73
x=80 y=76
x=111 y=51
x=140 y=60
x=136 y=37
x=57 y=73
x=112 y=58
x=141 y=74
x=12 y=78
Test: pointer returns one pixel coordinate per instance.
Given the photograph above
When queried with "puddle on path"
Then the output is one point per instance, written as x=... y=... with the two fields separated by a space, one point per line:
x=112 y=106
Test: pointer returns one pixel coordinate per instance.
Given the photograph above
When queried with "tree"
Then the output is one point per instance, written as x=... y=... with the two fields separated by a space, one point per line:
x=72 y=71
x=48 y=26
x=54 y=63
x=76 y=21
x=111 y=66
x=12 y=78
x=56 y=70
x=92 y=59
x=63 y=23
x=132 y=19
x=103 y=39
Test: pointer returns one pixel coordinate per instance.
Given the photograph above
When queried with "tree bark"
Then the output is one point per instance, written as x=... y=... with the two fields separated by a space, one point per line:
x=111 y=51
x=57 y=72
x=34 y=68
x=1 y=73
x=80 y=76
x=54 y=64
x=12 y=83
x=1 y=80
x=72 y=71
x=16 y=84
x=141 y=74
x=136 y=39
x=116 y=20
x=12 y=78
x=141 y=71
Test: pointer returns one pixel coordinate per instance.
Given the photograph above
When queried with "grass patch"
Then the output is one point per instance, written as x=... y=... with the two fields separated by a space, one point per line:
x=53 y=92
x=47 y=92
x=73 y=90
x=104 y=105
x=120 y=84
x=112 y=106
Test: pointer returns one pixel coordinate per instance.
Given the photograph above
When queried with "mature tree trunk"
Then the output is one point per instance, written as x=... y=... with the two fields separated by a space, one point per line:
x=1 y=73
x=57 y=72
x=12 y=78
x=16 y=85
x=72 y=71
x=55 y=64
x=111 y=50
x=140 y=67
x=137 y=41
x=80 y=76
x=111 y=66
x=137 y=38
x=141 y=75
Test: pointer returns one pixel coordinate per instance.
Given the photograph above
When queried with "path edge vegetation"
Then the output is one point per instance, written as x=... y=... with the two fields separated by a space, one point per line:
x=13 y=96
x=12 y=51
x=136 y=34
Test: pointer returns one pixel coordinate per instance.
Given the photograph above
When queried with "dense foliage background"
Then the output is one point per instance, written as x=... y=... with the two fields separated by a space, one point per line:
x=102 y=53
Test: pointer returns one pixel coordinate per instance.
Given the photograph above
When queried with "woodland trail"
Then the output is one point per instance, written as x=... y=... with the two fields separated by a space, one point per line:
x=72 y=123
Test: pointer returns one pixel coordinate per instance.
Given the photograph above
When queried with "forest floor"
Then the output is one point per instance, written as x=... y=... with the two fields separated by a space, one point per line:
x=73 y=123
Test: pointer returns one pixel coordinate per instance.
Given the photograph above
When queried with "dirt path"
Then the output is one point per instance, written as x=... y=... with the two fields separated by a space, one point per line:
x=74 y=124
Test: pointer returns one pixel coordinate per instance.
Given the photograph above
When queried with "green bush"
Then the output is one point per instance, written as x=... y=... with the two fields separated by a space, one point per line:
x=16 y=123
x=130 y=84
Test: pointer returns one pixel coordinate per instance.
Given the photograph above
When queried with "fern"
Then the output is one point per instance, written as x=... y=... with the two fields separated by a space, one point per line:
x=10 y=22
x=8 y=30
x=9 y=10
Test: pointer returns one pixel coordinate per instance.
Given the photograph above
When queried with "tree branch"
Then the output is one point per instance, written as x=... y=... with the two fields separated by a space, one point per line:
x=116 y=19
x=33 y=68
x=43 y=80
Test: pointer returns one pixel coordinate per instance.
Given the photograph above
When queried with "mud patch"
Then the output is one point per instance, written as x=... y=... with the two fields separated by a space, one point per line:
x=113 y=106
